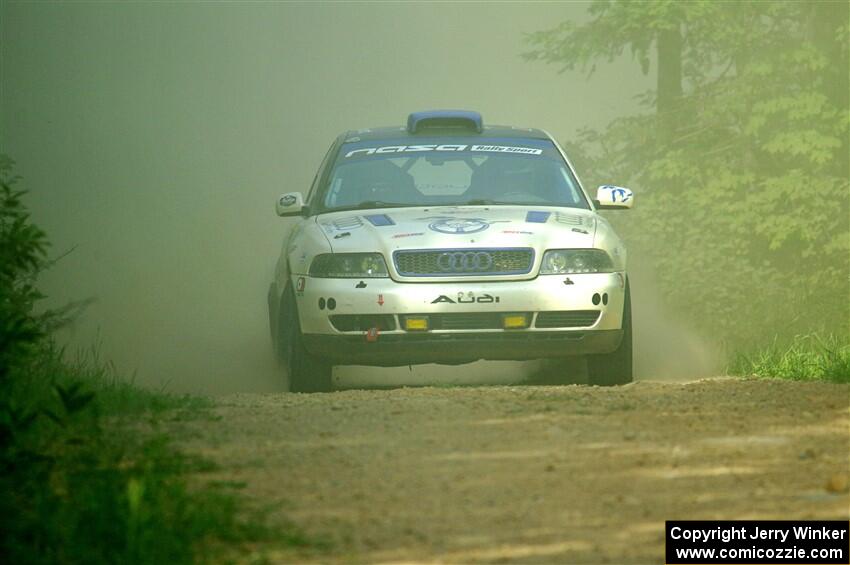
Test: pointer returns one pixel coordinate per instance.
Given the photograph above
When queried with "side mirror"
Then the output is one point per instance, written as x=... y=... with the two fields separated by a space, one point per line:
x=610 y=197
x=291 y=204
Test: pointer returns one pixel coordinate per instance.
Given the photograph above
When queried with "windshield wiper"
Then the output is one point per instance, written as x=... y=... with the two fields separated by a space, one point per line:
x=488 y=202
x=369 y=204
x=477 y=202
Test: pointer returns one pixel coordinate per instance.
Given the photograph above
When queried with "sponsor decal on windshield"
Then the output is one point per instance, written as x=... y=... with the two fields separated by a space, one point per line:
x=444 y=147
x=505 y=149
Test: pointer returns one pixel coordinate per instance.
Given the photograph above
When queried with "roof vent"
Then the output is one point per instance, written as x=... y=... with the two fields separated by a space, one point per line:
x=445 y=119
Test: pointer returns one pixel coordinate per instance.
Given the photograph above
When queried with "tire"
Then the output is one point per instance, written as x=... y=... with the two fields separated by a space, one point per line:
x=274 y=306
x=305 y=372
x=615 y=368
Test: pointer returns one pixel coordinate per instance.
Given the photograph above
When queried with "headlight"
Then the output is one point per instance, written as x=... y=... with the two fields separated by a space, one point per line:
x=349 y=265
x=573 y=261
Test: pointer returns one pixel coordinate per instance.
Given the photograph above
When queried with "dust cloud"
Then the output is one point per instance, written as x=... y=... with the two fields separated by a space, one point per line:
x=154 y=139
x=666 y=346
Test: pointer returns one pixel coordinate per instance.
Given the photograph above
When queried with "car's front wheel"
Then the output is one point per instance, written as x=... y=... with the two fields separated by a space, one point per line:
x=614 y=368
x=305 y=371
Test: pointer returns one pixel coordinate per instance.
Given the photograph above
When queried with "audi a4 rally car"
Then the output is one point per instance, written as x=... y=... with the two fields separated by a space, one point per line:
x=448 y=241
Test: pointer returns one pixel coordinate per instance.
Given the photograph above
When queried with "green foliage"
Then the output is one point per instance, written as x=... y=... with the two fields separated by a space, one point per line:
x=23 y=249
x=743 y=209
x=807 y=357
x=81 y=481
x=116 y=395
x=616 y=26
x=76 y=492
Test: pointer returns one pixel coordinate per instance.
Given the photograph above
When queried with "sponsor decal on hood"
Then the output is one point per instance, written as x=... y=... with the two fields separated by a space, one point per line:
x=380 y=220
x=459 y=226
x=537 y=217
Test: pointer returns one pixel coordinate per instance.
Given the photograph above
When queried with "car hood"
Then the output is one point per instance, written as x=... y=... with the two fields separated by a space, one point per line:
x=469 y=227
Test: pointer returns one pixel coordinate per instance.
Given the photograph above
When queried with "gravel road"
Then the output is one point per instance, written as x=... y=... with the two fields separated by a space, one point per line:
x=544 y=474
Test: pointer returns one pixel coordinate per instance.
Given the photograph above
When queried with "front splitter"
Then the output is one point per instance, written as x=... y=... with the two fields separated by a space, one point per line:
x=395 y=350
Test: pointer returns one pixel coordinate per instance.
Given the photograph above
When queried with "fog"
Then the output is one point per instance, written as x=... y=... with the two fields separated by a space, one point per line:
x=155 y=138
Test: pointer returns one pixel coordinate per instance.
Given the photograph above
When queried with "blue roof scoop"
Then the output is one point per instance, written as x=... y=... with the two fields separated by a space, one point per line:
x=445 y=119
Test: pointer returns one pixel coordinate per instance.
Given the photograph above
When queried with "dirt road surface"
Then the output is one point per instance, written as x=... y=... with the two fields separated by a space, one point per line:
x=544 y=474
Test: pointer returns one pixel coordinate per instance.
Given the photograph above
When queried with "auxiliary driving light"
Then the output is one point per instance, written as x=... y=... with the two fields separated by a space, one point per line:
x=416 y=324
x=514 y=321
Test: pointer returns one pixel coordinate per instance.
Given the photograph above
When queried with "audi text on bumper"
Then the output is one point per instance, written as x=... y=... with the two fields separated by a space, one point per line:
x=384 y=322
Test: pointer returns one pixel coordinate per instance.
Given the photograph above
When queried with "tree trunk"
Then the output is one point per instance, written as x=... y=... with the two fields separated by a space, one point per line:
x=669 y=86
x=824 y=21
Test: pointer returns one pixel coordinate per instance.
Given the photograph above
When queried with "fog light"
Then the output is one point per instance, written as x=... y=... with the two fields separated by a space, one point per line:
x=416 y=324
x=514 y=321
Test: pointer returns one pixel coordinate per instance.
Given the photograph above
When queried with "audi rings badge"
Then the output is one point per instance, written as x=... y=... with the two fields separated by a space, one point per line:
x=465 y=261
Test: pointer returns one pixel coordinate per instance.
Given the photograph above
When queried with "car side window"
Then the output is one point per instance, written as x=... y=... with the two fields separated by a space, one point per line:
x=319 y=172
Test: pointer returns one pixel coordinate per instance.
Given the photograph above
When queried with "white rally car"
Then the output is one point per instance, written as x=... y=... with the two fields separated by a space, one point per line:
x=448 y=241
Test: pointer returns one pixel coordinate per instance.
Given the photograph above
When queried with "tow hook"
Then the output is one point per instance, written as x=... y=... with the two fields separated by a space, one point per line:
x=372 y=335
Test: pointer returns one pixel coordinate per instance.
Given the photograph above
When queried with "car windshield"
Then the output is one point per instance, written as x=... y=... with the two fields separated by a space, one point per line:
x=447 y=172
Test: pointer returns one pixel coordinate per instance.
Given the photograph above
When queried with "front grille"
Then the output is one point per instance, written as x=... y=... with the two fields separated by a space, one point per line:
x=362 y=322
x=463 y=262
x=464 y=321
x=471 y=321
x=567 y=319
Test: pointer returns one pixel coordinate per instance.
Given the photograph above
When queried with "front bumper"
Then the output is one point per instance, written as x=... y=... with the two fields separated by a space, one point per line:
x=320 y=299
x=393 y=350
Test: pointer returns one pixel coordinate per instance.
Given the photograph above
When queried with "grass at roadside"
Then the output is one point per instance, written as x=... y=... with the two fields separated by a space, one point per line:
x=810 y=357
x=85 y=475
x=87 y=478
x=115 y=395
